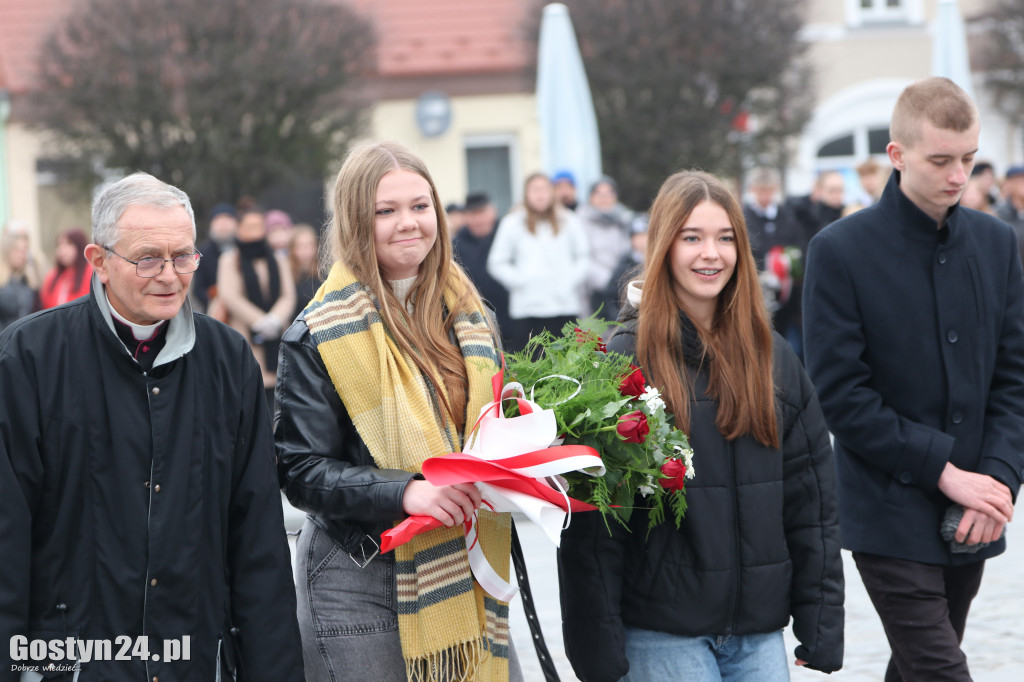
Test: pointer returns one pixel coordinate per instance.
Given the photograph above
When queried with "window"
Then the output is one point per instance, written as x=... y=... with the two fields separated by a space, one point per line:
x=878 y=140
x=872 y=12
x=841 y=146
x=490 y=167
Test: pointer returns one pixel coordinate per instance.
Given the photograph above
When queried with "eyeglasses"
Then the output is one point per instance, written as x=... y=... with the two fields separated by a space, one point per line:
x=147 y=267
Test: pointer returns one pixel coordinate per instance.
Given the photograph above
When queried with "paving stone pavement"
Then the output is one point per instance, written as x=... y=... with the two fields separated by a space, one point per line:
x=994 y=642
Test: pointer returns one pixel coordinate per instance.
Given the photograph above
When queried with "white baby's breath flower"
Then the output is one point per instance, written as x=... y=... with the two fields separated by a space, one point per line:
x=686 y=455
x=652 y=397
x=647 y=488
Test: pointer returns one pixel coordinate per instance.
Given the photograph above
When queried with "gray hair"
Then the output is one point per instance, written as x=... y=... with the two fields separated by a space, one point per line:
x=764 y=177
x=136 y=189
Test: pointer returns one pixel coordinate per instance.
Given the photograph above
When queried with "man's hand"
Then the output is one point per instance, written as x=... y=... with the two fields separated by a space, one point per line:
x=449 y=504
x=977 y=527
x=978 y=492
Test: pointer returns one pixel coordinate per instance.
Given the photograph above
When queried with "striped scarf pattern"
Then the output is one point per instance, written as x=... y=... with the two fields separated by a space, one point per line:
x=449 y=627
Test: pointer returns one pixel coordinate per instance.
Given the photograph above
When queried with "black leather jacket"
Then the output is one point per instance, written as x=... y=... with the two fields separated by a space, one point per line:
x=324 y=467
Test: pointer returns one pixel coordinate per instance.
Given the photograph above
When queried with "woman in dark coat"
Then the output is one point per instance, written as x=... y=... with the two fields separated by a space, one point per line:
x=760 y=541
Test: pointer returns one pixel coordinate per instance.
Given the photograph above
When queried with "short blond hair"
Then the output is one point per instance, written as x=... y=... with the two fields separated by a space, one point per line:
x=937 y=100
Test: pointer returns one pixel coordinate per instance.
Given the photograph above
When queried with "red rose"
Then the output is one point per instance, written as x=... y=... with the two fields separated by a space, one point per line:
x=633 y=427
x=633 y=383
x=675 y=470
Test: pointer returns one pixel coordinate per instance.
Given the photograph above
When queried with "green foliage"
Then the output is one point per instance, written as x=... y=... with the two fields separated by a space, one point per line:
x=574 y=376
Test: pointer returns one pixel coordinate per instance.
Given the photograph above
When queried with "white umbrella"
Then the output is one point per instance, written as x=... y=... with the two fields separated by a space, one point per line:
x=949 y=47
x=568 y=126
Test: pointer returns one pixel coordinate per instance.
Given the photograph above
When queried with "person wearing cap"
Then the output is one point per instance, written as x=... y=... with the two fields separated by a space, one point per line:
x=565 y=189
x=456 y=217
x=1012 y=209
x=221 y=238
x=471 y=245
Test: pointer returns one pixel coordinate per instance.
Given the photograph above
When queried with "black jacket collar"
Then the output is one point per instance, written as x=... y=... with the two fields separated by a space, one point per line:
x=911 y=220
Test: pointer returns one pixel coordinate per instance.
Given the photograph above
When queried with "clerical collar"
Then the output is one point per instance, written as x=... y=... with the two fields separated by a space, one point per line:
x=141 y=332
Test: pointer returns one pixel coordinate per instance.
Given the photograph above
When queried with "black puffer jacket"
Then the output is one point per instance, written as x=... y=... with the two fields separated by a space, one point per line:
x=760 y=541
x=324 y=467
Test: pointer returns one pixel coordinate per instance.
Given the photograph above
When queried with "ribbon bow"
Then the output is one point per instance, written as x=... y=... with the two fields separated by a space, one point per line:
x=508 y=459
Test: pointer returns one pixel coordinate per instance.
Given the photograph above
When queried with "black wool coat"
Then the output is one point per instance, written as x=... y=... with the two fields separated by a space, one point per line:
x=759 y=543
x=141 y=504
x=914 y=338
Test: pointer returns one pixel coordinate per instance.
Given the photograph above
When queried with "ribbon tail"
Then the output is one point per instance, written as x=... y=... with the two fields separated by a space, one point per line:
x=485 y=575
x=407 y=530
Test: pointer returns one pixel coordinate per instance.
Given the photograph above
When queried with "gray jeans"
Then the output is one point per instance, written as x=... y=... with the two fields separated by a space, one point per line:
x=347 y=614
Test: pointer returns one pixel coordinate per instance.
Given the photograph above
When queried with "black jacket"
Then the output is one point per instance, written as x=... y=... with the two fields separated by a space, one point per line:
x=141 y=503
x=760 y=542
x=915 y=341
x=324 y=467
x=471 y=253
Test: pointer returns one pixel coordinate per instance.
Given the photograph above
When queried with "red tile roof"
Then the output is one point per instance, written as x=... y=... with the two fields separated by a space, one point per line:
x=443 y=37
x=448 y=36
x=24 y=25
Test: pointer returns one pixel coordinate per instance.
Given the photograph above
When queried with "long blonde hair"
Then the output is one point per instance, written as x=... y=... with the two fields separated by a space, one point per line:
x=739 y=343
x=550 y=214
x=32 y=271
x=424 y=335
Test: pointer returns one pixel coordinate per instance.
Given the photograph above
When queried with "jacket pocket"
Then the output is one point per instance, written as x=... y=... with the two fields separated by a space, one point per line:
x=344 y=598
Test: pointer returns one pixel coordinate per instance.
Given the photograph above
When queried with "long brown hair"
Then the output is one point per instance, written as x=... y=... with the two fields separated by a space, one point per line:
x=550 y=214
x=423 y=335
x=738 y=346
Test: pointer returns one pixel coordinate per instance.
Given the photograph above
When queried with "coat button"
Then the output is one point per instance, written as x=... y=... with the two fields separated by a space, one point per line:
x=156 y=390
x=152 y=583
x=952 y=336
x=146 y=484
x=906 y=478
x=957 y=418
x=156 y=487
x=942 y=259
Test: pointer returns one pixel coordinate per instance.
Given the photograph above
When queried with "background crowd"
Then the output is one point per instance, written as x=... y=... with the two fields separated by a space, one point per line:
x=553 y=257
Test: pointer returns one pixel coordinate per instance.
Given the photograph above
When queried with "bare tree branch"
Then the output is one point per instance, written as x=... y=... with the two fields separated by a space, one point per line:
x=673 y=79
x=220 y=97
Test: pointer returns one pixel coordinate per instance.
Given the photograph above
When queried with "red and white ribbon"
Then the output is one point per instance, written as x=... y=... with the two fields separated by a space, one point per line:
x=508 y=460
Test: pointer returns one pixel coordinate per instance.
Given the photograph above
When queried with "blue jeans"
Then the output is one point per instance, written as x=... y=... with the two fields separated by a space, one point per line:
x=347 y=614
x=657 y=656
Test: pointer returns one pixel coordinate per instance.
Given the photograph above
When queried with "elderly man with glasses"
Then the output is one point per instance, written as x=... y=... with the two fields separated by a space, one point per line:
x=140 y=518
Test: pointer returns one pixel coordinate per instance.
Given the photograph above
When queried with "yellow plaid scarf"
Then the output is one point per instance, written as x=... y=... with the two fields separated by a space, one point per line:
x=450 y=628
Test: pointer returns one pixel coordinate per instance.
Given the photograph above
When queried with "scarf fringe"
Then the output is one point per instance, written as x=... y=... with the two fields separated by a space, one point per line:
x=458 y=664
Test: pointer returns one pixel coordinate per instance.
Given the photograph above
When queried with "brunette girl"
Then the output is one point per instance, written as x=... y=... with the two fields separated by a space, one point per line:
x=71 y=274
x=760 y=541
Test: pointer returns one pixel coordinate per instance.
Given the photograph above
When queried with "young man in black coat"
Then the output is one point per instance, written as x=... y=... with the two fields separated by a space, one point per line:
x=914 y=330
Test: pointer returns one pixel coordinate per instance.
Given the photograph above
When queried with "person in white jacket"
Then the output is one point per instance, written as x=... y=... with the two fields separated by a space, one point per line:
x=540 y=254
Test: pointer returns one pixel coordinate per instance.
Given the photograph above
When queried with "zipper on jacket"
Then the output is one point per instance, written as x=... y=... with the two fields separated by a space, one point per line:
x=737 y=545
